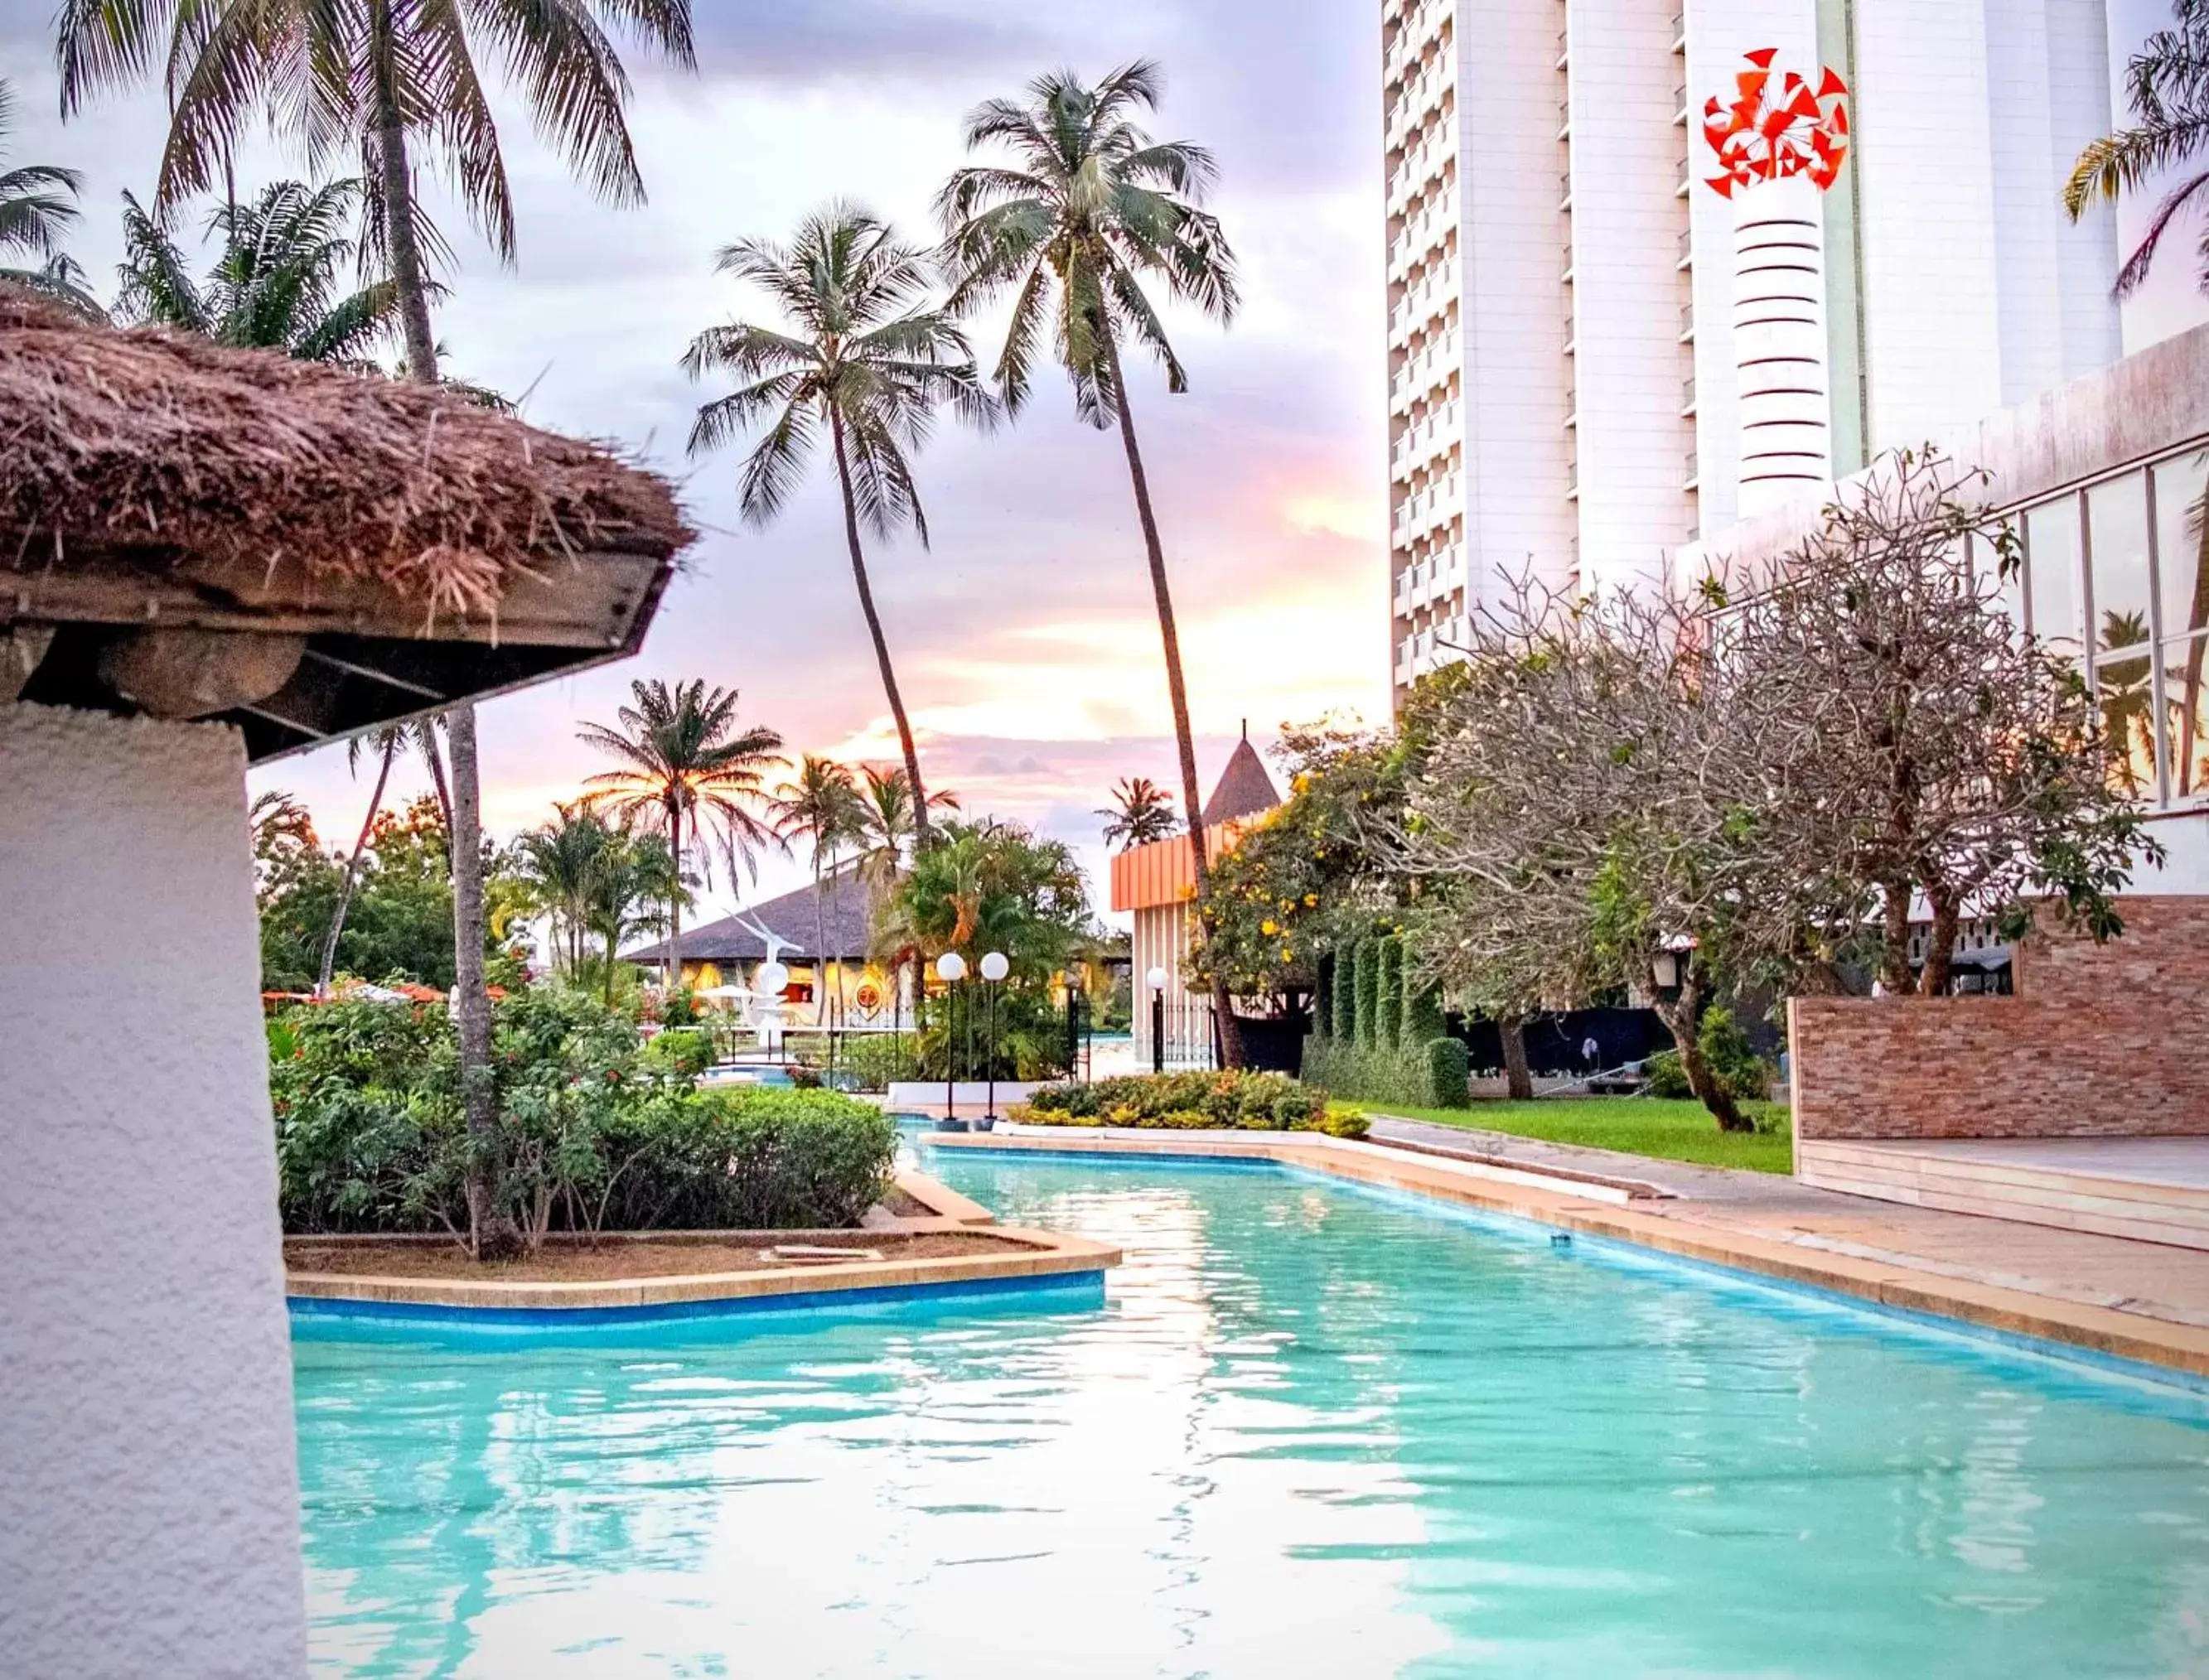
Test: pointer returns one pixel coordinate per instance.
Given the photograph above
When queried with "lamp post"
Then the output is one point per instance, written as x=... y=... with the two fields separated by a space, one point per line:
x=1157 y=977
x=950 y=968
x=994 y=968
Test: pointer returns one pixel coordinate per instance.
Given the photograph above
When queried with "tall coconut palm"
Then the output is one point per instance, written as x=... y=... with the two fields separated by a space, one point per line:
x=1141 y=811
x=1088 y=211
x=685 y=760
x=38 y=207
x=862 y=359
x=887 y=833
x=275 y=284
x=820 y=805
x=385 y=80
x=2167 y=83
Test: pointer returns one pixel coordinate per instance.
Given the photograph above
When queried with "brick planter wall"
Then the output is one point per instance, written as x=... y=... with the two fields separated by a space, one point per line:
x=2101 y=1042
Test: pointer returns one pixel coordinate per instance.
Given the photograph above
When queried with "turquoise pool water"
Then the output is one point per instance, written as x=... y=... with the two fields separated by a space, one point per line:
x=1313 y=1430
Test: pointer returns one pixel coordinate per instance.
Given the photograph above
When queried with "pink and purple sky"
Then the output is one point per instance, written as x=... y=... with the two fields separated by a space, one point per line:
x=1026 y=640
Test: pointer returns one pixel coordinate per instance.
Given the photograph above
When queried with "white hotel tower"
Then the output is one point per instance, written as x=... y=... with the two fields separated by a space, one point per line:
x=1597 y=356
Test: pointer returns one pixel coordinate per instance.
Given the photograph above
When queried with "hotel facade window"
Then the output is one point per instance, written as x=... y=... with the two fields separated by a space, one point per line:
x=2114 y=574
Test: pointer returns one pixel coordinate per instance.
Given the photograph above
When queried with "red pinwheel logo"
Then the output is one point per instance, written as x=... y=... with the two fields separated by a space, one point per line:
x=1779 y=127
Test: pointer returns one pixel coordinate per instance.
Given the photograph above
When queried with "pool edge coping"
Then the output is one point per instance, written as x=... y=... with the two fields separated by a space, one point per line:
x=1031 y=1255
x=2155 y=1348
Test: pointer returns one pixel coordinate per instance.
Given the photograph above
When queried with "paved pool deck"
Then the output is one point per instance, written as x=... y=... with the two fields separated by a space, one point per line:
x=2147 y=1303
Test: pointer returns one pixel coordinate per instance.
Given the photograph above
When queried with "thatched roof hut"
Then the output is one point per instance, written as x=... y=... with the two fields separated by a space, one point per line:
x=191 y=530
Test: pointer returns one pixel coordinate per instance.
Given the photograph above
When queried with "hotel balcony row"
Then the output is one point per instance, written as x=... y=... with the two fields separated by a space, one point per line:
x=1423 y=370
x=1430 y=579
x=1430 y=649
x=1423 y=439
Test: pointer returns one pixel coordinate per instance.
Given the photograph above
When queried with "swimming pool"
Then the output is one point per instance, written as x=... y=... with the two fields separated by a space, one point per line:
x=1314 y=1430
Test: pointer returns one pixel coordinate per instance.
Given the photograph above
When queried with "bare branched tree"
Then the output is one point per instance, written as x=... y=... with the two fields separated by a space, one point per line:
x=1761 y=782
x=1946 y=757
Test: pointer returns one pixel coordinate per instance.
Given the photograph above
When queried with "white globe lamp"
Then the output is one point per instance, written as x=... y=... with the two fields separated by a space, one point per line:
x=951 y=967
x=995 y=966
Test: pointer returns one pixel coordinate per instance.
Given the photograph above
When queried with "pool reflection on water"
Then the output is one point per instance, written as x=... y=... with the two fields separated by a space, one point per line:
x=1314 y=1430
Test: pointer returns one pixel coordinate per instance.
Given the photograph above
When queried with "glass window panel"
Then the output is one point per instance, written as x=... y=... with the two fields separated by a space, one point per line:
x=2051 y=538
x=2123 y=689
x=2185 y=716
x=2116 y=524
x=2182 y=544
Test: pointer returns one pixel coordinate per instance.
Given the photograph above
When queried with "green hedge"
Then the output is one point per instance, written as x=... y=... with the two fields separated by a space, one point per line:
x=1191 y=1101
x=594 y=1133
x=1389 y=1044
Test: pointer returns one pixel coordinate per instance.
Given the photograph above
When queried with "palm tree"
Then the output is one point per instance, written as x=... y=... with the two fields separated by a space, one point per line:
x=274 y=284
x=2167 y=83
x=561 y=864
x=822 y=806
x=1141 y=811
x=38 y=207
x=685 y=759
x=1089 y=209
x=637 y=871
x=886 y=822
x=863 y=360
x=375 y=79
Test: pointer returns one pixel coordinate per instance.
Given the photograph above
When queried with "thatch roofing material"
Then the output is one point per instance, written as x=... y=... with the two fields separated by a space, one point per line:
x=214 y=463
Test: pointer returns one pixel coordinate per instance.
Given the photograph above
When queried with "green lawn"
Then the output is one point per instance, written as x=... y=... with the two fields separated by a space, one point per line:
x=1636 y=1125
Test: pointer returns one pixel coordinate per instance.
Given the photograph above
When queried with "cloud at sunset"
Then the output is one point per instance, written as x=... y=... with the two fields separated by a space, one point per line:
x=1024 y=636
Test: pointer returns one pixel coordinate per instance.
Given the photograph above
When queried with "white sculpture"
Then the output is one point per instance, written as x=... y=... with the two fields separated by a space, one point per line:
x=765 y=1013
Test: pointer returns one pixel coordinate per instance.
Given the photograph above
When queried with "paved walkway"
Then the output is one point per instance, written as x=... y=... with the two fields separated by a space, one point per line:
x=2153 y=1279
x=2146 y=1302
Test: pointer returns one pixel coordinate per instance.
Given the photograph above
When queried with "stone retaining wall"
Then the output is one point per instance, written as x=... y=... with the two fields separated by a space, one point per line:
x=2102 y=1041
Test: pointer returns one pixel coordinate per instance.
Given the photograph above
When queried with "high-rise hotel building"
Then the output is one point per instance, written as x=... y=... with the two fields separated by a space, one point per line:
x=1597 y=357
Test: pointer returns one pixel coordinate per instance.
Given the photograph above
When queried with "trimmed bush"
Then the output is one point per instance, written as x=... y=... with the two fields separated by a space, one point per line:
x=1367 y=1005
x=1343 y=1022
x=593 y=1132
x=1388 y=994
x=1423 y=1017
x=1449 y=1074
x=1190 y=1101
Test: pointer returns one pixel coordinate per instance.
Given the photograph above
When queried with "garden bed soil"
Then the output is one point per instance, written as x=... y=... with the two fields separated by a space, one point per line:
x=614 y=1261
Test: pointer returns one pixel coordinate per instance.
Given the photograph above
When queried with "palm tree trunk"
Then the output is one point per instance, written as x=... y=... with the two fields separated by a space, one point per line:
x=396 y=187
x=1230 y=1036
x=672 y=970
x=352 y=870
x=920 y=835
x=613 y=941
x=494 y=1237
x=819 y=951
x=426 y=740
x=471 y=1003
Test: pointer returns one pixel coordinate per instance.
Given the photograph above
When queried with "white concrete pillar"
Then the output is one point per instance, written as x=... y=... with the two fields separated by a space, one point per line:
x=1779 y=343
x=149 y=1512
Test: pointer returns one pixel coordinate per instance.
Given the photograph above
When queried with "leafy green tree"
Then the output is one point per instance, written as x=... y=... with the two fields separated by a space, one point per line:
x=385 y=79
x=2167 y=85
x=1090 y=209
x=275 y=284
x=864 y=359
x=1141 y=811
x=685 y=759
x=992 y=886
x=822 y=805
